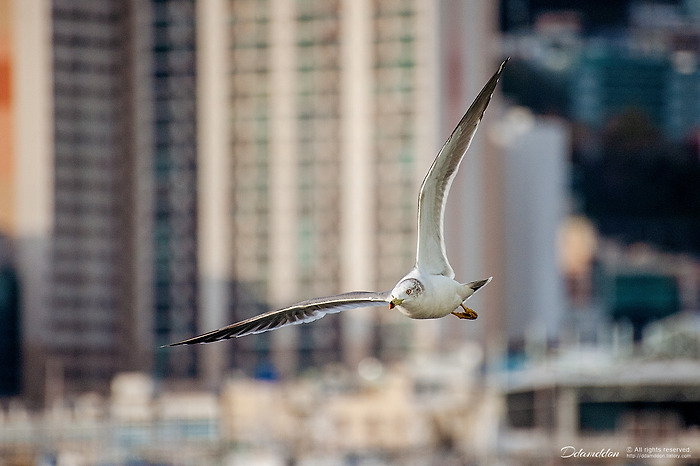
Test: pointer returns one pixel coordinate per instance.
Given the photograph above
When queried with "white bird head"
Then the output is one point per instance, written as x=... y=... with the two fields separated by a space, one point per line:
x=405 y=291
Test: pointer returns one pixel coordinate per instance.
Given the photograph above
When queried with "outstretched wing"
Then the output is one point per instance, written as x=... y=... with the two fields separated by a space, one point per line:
x=431 y=255
x=300 y=313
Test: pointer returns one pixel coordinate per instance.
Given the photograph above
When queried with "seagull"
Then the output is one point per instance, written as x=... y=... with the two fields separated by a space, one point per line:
x=429 y=290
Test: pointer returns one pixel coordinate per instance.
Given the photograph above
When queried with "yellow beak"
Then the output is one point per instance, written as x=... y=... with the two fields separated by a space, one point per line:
x=395 y=302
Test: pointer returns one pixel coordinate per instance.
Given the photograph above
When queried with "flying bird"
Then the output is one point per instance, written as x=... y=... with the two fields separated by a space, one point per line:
x=429 y=290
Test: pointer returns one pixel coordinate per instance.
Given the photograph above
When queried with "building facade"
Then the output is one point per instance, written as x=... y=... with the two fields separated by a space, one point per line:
x=326 y=98
x=334 y=121
x=106 y=166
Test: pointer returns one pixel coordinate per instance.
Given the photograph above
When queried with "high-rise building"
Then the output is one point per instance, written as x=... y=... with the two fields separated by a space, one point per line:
x=124 y=255
x=92 y=270
x=334 y=122
x=326 y=101
x=173 y=154
x=535 y=190
x=106 y=197
x=665 y=87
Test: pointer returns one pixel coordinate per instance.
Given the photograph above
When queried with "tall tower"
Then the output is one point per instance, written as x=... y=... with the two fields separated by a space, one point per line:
x=536 y=176
x=92 y=269
x=328 y=112
x=106 y=188
x=334 y=114
x=171 y=52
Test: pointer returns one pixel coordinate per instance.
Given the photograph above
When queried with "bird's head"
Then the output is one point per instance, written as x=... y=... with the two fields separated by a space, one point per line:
x=405 y=291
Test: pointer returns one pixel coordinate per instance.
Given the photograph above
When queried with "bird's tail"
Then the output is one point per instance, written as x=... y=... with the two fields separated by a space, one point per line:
x=470 y=288
x=478 y=283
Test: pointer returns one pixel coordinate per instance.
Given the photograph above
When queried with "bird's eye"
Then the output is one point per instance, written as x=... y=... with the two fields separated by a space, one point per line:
x=409 y=291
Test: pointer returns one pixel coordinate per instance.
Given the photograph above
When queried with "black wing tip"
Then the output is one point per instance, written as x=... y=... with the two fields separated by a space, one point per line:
x=180 y=343
x=198 y=340
x=497 y=75
x=482 y=100
x=501 y=67
x=188 y=342
x=491 y=84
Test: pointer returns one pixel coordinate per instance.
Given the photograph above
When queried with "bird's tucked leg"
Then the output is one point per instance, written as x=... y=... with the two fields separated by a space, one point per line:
x=469 y=314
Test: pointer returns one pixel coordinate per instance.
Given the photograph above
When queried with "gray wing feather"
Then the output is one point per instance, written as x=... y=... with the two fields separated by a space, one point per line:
x=431 y=254
x=300 y=313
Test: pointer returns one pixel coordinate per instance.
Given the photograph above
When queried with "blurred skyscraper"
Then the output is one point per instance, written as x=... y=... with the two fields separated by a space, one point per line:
x=666 y=87
x=91 y=297
x=106 y=188
x=334 y=120
x=331 y=119
x=124 y=257
x=171 y=54
x=536 y=204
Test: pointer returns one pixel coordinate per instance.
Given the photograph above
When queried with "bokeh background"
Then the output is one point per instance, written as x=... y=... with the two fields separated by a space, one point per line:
x=170 y=166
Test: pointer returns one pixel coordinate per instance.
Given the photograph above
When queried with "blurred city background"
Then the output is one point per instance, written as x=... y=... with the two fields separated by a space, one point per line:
x=171 y=166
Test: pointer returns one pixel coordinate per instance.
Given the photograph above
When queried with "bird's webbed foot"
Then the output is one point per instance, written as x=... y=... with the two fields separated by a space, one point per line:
x=469 y=314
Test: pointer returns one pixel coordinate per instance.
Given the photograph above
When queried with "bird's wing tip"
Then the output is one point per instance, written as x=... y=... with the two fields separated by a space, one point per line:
x=189 y=341
x=502 y=66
